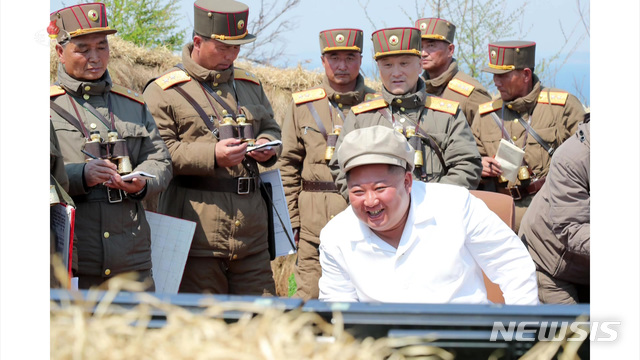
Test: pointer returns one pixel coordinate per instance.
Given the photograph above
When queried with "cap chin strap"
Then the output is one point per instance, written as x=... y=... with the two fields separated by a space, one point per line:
x=336 y=48
x=502 y=67
x=227 y=37
x=396 y=52
x=80 y=32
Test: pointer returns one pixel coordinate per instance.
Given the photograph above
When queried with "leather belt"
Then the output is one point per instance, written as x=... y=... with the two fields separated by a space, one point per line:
x=101 y=193
x=323 y=186
x=519 y=192
x=240 y=185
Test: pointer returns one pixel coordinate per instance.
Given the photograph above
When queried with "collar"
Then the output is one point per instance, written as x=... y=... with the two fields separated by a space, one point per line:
x=349 y=98
x=526 y=103
x=409 y=100
x=437 y=85
x=201 y=73
x=79 y=88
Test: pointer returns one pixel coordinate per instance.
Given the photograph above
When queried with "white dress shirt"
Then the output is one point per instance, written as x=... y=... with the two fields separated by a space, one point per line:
x=449 y=238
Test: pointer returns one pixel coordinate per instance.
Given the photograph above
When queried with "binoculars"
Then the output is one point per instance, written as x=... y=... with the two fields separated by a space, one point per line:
x=332 y=139
x=523 y=174
x=415 y=142
x=236 y=128
x=114 y=149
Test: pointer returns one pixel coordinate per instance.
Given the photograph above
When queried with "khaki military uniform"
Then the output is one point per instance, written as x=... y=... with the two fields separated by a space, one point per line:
x=455 y=85
x=112 y=238
x=309 y=186
x=438 y=118
x=231 y=228
x=556 y=227
x=553 y=114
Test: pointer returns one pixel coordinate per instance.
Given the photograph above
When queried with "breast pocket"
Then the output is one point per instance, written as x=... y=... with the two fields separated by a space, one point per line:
x=134 y=134
x=539 y=158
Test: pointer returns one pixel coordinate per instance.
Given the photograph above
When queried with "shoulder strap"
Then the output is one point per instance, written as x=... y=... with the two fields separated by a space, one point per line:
x=461 y=87
x=128 y=93
x=432 y=143
x=302 y=97
x=207 y=121
x=441 y=104
x=316 y=117
x=369 y=105
x=67 y=116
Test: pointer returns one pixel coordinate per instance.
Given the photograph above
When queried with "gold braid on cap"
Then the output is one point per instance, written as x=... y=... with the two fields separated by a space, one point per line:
x=434 y=36
x=502 y=67
x=228 y=37
x=88 y=31
x=341 y=48
x=396 y=52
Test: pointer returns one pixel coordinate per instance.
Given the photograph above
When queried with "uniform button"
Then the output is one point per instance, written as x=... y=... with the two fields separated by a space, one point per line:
x=331 y=217
x=215 y=84
x=219 y=92
x=340 y=106
x=514 y=138
x=337 y=96
x=93 y=125
x=402 y=109
x=217 y=76
x=106 y=234
x=107 y=272
x=87 y=88
x=235 y=256
x=510 y=106
x=86 y=97
x=237 y=222
x=399 y=101
x=515 y=121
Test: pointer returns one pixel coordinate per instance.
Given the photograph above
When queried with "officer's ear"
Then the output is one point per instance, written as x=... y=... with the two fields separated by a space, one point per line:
x=197 y=42
x=527 y=75
x=451 y=48
x=60 y=51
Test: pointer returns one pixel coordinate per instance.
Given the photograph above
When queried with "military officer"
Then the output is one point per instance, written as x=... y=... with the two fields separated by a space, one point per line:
x=528 y=115
x=309 y=133
x=441 y=74
x=114 y=129
x=207 y=111
x=435 y=127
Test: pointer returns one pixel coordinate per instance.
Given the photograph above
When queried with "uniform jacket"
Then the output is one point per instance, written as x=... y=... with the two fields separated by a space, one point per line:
x=228 y=224
x=554 y=114
x=556 y=227
x=111 y=237
x=303 y=154
x=455 y=85
x=444 y=124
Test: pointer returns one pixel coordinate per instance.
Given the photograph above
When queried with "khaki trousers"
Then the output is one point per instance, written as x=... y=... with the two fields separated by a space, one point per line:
x=556 y=291
x=251 y=275
x=308 y=270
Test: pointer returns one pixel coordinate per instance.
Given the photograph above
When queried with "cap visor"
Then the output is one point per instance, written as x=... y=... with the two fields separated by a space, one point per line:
x=495 y=71
x=245 y=40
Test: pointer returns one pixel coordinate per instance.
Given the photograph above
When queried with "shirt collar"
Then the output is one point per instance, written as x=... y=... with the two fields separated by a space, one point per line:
x=79 y=88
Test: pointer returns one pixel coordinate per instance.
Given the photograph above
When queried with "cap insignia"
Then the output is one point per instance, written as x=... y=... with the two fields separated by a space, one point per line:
x=240 y=24
x=93 y=15
x=393 y=40
x=339 y=38
x=493 y=54
x=423 y=26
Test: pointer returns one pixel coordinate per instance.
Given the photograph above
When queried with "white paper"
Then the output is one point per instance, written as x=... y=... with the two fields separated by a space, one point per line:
x=510 y=158
x=170 y=243
x=265 y=145
x=137 y=174
x=280 y=213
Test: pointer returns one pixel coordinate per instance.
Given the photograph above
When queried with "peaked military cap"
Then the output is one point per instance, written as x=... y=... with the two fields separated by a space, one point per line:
x=505 y=56
x=225 y=21
x=396 y=41
x=341 y=39
x=436 y=29
x=78 y=20
x=375 y=145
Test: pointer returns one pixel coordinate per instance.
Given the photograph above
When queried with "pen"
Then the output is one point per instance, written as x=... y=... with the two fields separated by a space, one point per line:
x=89 y=155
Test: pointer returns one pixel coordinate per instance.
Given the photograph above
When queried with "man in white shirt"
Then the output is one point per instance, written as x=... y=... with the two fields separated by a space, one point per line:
x=411 y=242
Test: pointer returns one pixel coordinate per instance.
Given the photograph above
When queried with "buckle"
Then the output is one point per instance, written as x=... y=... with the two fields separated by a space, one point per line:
x=515 y=193
x=114 y=196
x=244 y=185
